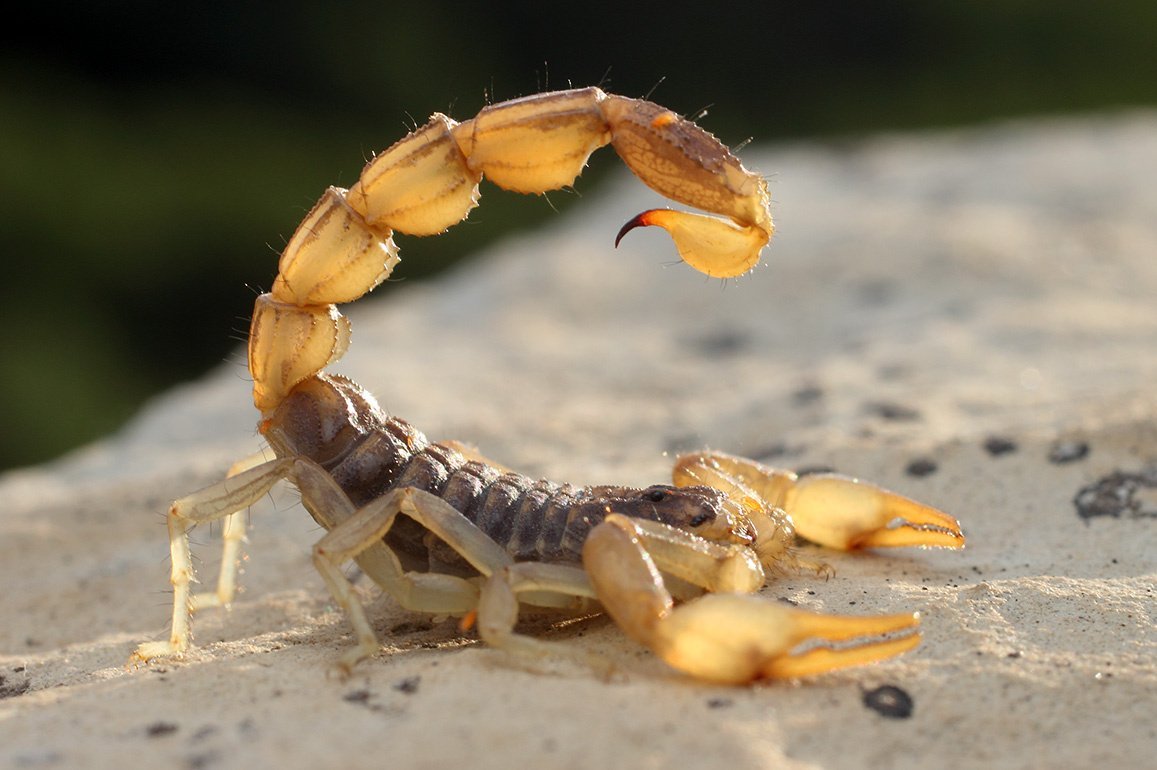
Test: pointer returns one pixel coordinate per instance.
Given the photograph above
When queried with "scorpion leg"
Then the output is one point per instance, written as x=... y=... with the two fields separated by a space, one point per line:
x=730 y=637
x=245 y=484
x=543 y=585
x=221 y=500
x=689 y=562
x=347 y=538
x=232 y=536
x=827 y=508
x=360 y=535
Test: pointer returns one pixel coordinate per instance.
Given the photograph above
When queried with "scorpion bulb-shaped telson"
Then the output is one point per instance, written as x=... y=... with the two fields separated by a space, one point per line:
x=479 y=541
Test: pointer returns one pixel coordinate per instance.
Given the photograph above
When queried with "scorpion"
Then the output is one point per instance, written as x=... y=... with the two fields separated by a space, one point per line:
x=675 y=566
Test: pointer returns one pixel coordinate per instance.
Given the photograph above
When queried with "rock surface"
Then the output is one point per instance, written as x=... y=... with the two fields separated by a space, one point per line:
x=966 y=317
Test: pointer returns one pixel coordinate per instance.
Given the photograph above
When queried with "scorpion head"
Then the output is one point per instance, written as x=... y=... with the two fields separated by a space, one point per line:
x=714 y=515
x=739 y=520
x=702 y=510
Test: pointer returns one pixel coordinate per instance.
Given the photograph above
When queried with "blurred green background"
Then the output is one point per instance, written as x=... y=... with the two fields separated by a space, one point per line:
x=154 y=157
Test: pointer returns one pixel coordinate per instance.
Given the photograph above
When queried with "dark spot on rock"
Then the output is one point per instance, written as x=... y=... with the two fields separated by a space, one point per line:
x=37 y=758
x=158 y=729
x=876 y=293
x=718 y=703
x=409 y=685
x=920 y=467
x=892 y=412
x=1068 y=452
x=892 y=372
x=203 y=733
x=889 y=701
x=357 y=696
x=999 y=445
x=808 y=394
x=13 y=689
x=1117 y=494
x=721 y=343
x=410 y=627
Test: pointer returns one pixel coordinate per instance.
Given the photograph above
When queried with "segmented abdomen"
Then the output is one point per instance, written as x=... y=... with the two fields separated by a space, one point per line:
x=531 y=519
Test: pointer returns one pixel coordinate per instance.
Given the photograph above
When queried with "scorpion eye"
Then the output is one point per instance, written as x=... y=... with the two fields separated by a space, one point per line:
x=700 y=519
x=655 y=495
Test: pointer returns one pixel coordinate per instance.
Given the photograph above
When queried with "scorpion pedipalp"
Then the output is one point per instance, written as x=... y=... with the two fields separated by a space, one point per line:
x=849 y=514
x=738 y=638
x=729 y=635
x=827 y=508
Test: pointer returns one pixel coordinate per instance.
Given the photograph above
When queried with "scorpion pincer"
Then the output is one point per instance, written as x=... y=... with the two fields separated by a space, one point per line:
x=478 y=539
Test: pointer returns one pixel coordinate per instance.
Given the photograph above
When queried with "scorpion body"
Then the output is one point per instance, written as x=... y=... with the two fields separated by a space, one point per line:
x=369 y=453
x=444 y=530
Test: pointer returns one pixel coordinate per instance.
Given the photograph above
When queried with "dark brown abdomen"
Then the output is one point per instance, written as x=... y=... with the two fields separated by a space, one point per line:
x=532 y=520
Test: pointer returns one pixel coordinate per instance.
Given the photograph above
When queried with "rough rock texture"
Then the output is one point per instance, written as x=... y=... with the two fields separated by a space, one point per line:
x=966 y=317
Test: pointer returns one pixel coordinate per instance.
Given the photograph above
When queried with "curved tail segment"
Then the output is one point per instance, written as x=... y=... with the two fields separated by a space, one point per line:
x=428 y=181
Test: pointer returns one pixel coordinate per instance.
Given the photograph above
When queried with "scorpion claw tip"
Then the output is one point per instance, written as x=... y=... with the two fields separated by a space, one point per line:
x=639 y=221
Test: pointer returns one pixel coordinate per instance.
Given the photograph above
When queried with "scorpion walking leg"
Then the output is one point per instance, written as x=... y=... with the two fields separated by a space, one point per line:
x=360 y=537
x=223 y=499
x=232 y=535
x=725 y=637
x=543 y=585
x=353 y=534
x=826 y=508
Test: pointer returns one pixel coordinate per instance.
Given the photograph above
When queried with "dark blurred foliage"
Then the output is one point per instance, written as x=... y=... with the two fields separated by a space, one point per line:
x=155 y=156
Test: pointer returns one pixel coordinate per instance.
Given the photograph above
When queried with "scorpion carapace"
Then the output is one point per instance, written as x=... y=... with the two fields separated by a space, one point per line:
x=477 y=540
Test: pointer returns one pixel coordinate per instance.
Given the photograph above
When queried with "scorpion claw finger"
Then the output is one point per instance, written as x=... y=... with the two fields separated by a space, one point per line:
x=717 y=247
x=739 y=638
x=907 y=533
x=848 y=514
x=840 y=628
